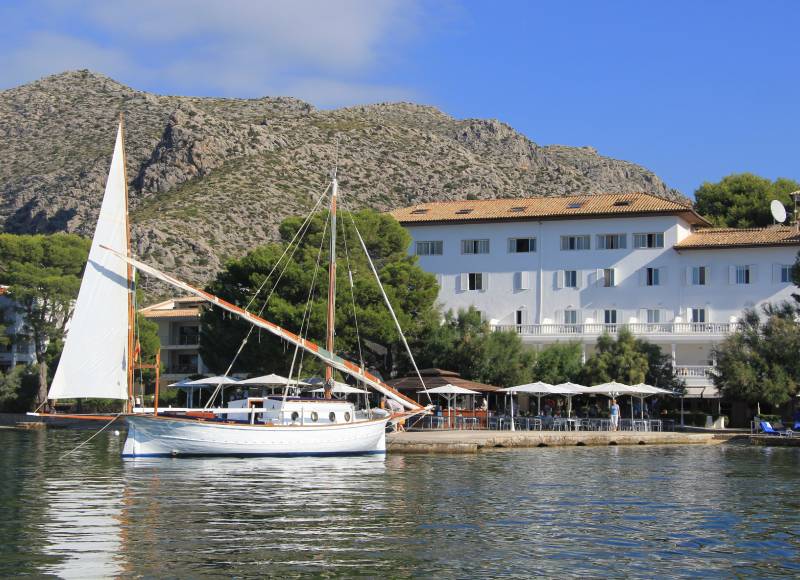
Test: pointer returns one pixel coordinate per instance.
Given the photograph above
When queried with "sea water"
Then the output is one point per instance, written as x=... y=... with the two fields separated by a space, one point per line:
x=678 y=511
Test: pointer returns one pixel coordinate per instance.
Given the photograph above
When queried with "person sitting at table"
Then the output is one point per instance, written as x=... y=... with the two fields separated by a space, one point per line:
x=594 y=411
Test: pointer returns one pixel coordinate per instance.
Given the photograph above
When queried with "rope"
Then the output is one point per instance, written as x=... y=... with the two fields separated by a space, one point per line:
x=391 y=310
x=301 y=230
x=305 y=323
x=103 y=428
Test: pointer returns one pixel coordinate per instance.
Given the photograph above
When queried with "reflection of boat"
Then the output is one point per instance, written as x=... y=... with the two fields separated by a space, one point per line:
x=96 y=362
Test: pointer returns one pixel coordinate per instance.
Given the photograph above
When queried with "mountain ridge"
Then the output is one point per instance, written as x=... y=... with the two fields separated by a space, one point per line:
x=210 y=178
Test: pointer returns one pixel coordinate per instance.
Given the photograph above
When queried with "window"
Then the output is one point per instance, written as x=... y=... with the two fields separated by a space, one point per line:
x=698 y=315
x=419 y=211
x=575 y=242
x=742 y=274
x=522 y=281
x=189 y=335
x=474 y=246
x=570 y=278
x=574 y=205
x=785 y=274
x=475 y=281
x=654 y=240
x=433 y=248
x=187 y=363
x=517 y=209
x=622 y=203
x=610 y=316
x=699 y=276
x=570 y=317
x=521 y=245
x=612 y=241
x=609 y=278
x=652 y=277
x=653 y=316
x=519 y=316
x=464 y=211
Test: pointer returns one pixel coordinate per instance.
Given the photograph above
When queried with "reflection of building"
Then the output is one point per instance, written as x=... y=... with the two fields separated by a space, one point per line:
x=17 y=352
x=178 y=322
x=572 y=268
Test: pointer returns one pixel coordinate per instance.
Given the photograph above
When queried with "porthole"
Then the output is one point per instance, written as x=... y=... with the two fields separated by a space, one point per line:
x=347 y=416
x=314 y=416
x=295 y=416
x=332 y=417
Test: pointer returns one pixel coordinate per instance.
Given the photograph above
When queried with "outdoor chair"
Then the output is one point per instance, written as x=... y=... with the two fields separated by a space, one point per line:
x=768 y=429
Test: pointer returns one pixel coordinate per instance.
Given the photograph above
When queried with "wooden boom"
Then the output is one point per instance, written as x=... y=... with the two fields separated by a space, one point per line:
x=326 y=356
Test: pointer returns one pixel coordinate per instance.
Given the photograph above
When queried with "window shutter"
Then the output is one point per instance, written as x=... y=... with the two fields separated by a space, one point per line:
x=776 y=273
x=642 y=315
x=662 y=276
x=560 y=279
x=614 y=277
x=753 y=273
x=598 y=277
x=731 y=275
x=708 y=275
x=524 y=280
x=559 y=317
x=463 y=282
x=666 y=315
x=512 y=245
x=687 y=276
x=579 y=278
x=485 y=280
x=642 y=276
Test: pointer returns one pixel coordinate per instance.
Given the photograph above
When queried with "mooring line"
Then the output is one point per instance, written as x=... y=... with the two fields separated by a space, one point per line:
x=117 y=416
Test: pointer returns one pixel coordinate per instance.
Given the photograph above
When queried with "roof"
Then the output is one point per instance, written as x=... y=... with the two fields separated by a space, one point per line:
x=740 y=238
x=181 y=307
x=546 y=208
x=437 y=378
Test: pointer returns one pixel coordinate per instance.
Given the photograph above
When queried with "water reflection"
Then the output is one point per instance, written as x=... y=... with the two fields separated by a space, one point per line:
x=577 y=511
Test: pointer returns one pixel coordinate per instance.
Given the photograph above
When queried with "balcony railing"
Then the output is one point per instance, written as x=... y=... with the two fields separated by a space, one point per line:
x=639 y=328
x=693 y=372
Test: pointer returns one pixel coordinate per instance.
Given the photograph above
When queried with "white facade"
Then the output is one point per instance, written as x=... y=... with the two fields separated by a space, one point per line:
x=18 y=351
x=554 y=294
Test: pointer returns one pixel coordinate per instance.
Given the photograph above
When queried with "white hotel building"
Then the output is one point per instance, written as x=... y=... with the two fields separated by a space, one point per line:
x=570 y=268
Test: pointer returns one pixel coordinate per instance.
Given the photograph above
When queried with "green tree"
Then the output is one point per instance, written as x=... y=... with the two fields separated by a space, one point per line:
x=43 y=274
x=411 y=291
x=18 y=388
x=619 y=360
x=559 y=363
x=742 y=200
x=759 y=363
x=660 y=372
x=466 y=344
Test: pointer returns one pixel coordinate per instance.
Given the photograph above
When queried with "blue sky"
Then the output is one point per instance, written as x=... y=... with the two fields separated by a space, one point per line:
x=693 y=90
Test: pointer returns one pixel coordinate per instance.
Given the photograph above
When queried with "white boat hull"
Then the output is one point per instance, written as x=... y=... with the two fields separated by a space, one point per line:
x=150 y=436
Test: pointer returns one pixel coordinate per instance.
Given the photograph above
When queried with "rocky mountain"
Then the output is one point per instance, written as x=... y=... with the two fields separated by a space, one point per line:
x=211 y=178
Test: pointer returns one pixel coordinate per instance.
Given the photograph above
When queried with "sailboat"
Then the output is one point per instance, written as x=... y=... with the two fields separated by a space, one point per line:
x=97 y=362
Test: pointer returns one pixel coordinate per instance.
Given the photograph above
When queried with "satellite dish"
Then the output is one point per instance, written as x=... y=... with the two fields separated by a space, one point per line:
x=778 y=211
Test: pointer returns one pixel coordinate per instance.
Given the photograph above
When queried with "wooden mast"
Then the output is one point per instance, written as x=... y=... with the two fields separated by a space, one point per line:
x=131 y=313
x=331 y=288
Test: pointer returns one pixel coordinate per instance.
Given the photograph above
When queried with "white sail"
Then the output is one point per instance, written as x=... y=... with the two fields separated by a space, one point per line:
x=94 y=362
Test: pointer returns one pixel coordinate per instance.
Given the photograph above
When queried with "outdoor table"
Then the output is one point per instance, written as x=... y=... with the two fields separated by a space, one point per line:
x=655 y=425
x=571 y=423
x=466 y=421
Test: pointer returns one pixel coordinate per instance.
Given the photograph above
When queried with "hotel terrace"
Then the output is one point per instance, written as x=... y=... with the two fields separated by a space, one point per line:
x=571 y=268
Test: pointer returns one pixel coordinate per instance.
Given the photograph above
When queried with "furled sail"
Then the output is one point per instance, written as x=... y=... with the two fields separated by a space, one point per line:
x=328 y=357
x=94 y=362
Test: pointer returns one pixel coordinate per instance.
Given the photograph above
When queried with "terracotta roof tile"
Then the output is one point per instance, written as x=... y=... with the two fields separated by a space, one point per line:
x=740 y=237
x=174 y=313
x=600 y=205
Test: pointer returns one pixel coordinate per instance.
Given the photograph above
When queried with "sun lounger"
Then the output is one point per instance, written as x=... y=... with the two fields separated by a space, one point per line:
x=767 y=429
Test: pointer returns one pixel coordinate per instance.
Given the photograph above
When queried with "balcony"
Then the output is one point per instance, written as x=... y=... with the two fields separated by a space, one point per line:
x=700 y=330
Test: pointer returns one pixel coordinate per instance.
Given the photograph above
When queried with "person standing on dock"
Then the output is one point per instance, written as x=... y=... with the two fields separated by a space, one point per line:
x=614 y=415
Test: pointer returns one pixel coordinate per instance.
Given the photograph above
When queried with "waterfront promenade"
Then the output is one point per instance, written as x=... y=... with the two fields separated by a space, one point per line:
x=475 y=441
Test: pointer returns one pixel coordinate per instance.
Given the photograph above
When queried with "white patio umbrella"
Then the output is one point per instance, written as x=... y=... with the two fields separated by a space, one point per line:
x=272 y=380
x=213 y=381
x=570 y=390
x=648 y=391
x=449 y=392
x=538 y=388
x=612 y=390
